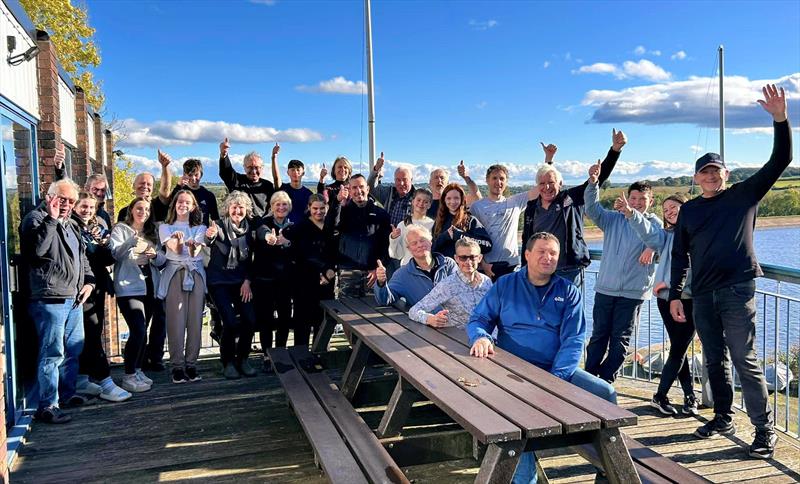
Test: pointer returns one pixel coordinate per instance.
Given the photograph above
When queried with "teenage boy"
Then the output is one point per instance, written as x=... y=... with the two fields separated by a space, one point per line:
x=624 y=281
x=192 y=174
x=295 y=189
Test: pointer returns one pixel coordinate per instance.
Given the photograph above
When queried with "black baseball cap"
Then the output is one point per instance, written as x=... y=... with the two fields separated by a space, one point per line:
x=296 y=164
x=708 y=159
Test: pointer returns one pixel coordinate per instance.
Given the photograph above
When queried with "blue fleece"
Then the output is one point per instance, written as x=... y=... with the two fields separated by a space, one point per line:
x=411 y=284
x=549 y=333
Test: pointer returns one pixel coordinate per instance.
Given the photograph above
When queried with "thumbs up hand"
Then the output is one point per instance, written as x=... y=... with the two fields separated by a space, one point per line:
x=212 y=230
x=271 y=238
x=380 y=273
x=323 y=173
x=223 y=148
x=395 y=232
x=164 y=159
x=275 y=150
x=618 y=139
x=549 y=152
x=462 y=170
x=438 y=320
x=621 y=204
x=594 y=172
x=379 y=164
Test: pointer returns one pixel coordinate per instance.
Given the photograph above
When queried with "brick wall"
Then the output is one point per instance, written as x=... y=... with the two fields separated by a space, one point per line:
x=80 y=156
x=50 y=124
x=98 y=147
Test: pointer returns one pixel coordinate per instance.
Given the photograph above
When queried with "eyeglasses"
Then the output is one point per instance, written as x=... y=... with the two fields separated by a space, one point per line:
x=465 y=258
x=67 y=201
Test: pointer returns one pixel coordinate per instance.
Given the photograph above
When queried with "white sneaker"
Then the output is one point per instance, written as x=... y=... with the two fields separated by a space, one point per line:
x=133 y=384
x=115 y=394
x=143 y=378
x=89 y=388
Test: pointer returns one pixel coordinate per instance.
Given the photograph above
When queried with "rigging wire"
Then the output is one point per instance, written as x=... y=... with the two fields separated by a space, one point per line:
x=363 y=76
x=707 y=130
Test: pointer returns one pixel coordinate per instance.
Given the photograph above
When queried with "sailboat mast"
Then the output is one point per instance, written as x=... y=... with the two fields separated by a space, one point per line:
x=370 y=86
x=721 y=103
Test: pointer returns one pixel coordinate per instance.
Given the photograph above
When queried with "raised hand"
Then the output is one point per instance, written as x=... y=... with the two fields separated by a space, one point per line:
x=323 y=173
x=618 y=139
x=164 y=159
x=438 y=320
x=647 y=256
x=621 y=205
x=271 y=238
x=223 y=148
x=380 y=273
x=774 y=102
x=450 y=232
x=281 y=239
x=594 y=172
x=212 y=230
x=344 y=194
x=549 y=152
x=379 y=163
x=58 y=159
x=462 y=170
x=276 y=149
x=53 y=206
x=395 y=232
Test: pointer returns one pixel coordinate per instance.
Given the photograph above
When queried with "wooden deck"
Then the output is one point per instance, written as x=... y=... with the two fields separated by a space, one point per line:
x=225 y=431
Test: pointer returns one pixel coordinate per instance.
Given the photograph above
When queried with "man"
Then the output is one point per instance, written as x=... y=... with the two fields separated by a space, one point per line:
x=259 y=189
x=715 y=232
x=539 y=318
x=625 y=279
x=561 y=212
x=96 y=184
x=395 y=199
x=500 y=216
x=207 y=201
x=60 y=281
x=415 y=279
x=297 y=192
x=440 y=178
x=143 y=185
x=361 y=230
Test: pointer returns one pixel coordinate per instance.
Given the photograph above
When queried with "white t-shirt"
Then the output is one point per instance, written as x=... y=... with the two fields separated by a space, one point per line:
x=501 y=220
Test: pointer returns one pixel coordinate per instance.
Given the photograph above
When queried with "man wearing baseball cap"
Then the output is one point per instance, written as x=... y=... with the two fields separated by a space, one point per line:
x=715 y=232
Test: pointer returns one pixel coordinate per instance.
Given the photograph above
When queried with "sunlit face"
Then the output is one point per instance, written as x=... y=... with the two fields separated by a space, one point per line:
x=542 y=259
x=402 y=181
x=317 y=211
x=143 y=185
x=193 y=178
x=640 y=201
x=296 y=174
x=67 y=198
x=253 y=167
x=497 y=181
x=141 y=212
x=85 y=209
x=340 y=171
x=421 y=203
x=237 y=212
x=671 y=209
x=359 y=190
x=184 y=205
x=280 y=209
x=711 y=179
x=418 y=245
x=453 y=201
x=438 y=180
x=468 y=259
x=549 y=186
x=98 y=188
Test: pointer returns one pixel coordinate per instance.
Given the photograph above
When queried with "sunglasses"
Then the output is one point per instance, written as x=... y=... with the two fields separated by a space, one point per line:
x=465 y=258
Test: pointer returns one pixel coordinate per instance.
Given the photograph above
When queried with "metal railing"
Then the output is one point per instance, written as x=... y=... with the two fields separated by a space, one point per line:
x=777 y=343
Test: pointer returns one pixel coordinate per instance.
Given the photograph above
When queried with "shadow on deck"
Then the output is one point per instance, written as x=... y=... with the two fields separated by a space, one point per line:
x=243 y=430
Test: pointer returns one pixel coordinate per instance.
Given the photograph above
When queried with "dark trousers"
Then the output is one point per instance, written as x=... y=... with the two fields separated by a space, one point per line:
x=614 y=320
x=308 y=313
x=93 y=361
x=274 y=309
x=137 y=311
x=237 y=332
x=500 y=269
x=725 y=320
x=680 y=337
x=158 y=333
x=575 y=276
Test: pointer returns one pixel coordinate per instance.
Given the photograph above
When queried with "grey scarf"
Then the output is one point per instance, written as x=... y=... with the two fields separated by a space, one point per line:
x=235 y=236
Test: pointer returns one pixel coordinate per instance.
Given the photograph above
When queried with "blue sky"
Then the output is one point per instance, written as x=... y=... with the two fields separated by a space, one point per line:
x=479 y=81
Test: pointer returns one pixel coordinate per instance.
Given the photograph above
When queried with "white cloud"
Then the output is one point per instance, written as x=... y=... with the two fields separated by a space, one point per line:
x=695 y=148
x=688 y=102
x=546 y=64
x=264 y=2
x=643 y=68
x=598 y=68
x=656 y=53
x=183 y=133
x=639 y=50
x=337 y=85
x=680 y=55
x=483 y=24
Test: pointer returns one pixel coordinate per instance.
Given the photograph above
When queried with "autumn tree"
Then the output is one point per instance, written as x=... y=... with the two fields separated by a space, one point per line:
x=68 y=27
x=124 y=175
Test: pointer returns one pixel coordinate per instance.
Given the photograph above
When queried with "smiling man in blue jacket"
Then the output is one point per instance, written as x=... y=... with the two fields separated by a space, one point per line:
x=539 y=318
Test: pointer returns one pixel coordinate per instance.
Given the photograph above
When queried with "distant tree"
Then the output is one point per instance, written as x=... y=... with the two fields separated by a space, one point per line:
x=73 y=38
x=123 y=182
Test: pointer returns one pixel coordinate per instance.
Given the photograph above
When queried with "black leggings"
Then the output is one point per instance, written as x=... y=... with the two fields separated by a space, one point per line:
x=229 y=304
x=137 y=311
x=680 y=337
x=270 y=298
x=93 y=360
x=308 y=313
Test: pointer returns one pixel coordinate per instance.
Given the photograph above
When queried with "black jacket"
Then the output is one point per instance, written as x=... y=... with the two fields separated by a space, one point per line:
x=259 y=192
x=217 y=272
x=99 y=256
x=270 y=262
x=314 y=245
x=361 y=234
x=446 y=245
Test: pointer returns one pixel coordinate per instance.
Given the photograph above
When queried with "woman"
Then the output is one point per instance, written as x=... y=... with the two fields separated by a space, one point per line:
x=454 y=222
x=681 y=335
x=137 y=255
x=458 y=293
x=273 y=273
x=228 y=283
x=316 y=276
x=183 y=284
x=419 y=215
x=93 y=363
x=342 y=169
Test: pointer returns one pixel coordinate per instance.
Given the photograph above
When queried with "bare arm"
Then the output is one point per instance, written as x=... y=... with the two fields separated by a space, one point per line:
x=166 y=177
x=473 y=192
x=276 y=176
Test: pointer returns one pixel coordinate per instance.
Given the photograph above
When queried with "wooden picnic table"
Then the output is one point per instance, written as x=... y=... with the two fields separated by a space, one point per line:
x=508 y=405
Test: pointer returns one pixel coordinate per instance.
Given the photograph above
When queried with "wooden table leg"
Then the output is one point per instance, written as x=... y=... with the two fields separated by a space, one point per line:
x=500 y=462
x=355 y=369
x=396 y=414
x=616 y=459
x=324 y=334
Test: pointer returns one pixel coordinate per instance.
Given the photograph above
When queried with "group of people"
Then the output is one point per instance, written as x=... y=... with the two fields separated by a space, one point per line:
x=451 y=256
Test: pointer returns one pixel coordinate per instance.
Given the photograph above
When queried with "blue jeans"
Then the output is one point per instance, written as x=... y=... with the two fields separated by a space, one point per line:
x=59 y=327
x=526 y=468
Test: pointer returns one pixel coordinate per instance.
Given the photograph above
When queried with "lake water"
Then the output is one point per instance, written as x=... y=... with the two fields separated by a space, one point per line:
x=777 y=246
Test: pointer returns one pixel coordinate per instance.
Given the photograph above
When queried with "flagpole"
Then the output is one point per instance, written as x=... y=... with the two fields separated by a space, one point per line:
x=370 y=85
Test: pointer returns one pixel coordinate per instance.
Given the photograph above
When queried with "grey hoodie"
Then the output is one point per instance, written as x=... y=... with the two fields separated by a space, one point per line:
x=660 y=240
x=620 y=275
x=128 y=278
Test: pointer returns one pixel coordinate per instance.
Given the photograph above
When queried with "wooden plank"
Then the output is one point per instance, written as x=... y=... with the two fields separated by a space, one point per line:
x=615 y=456
x=354 y=370
x=324 y=334
x=429 y=447
x=571 y=418
x=375 y=460
x=513 y=407
x=660 y=464
x=336 y=459
x=499 y=463
x=461 y=406
x=589 y=452
x=396 y=414
x=610 y=414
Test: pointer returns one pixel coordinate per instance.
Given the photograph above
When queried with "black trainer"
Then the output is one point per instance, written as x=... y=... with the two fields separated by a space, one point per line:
x=763 y=446
x=74 y=401
x=715 y=426
x=52 y=415
x=179 y=376
x=192 y=374
x=662 y=405
x=690 y=405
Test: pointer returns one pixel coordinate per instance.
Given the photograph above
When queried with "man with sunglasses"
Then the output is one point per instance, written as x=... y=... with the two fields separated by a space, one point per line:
x=60 y=280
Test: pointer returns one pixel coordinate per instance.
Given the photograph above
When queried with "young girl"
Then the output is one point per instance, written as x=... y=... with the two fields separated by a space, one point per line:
x=183 y=284
x=419 y=206
x=454 y=222
x=137 y=255
x=681 y=335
